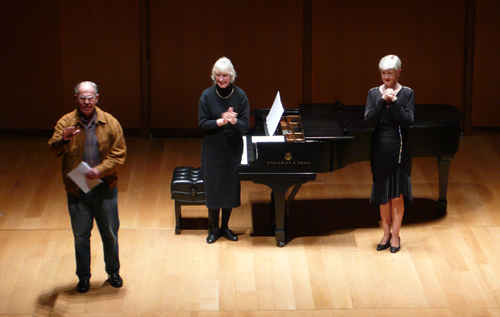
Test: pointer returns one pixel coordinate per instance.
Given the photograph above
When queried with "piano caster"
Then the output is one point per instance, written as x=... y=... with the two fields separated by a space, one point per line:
x=280 y=243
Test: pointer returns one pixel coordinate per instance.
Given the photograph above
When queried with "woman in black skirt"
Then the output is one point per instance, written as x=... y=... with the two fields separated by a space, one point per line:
x=392 y=107
x=223 y=115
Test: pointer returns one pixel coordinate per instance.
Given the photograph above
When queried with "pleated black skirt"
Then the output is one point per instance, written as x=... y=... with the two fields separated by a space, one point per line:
x=391 y=187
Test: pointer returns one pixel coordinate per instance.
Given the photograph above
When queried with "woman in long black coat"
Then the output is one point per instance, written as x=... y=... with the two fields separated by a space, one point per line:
x=392 y=107
x=223 y=114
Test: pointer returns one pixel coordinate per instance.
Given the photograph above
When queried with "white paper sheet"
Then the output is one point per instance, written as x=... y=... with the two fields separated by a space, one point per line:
x=268 y=138
x=244 y=155
x=78 y=176
x=274 y=116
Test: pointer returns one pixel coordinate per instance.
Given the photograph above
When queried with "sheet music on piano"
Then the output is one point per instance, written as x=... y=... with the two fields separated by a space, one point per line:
x=272 y=120
x=274 y=116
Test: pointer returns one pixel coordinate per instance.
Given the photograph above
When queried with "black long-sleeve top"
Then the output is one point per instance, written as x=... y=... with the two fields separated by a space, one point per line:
x=222 y=146
x=390 y=138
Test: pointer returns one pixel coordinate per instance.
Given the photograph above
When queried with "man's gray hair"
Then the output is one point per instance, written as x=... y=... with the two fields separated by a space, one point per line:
x=224 y=65
x=86 y=82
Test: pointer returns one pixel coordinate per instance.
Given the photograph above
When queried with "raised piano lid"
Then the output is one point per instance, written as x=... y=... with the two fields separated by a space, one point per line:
x=350 y=117
x=321 y=122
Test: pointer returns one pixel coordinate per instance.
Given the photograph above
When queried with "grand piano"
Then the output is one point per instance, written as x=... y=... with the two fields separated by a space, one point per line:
x=322 y=138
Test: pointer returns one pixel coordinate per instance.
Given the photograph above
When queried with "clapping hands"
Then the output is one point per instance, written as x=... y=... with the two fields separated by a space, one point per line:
x=389 y=95
x=228 y=117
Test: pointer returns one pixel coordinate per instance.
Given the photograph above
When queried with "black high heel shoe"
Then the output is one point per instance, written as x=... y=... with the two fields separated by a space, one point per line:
x=384 y=246
x=395 y=249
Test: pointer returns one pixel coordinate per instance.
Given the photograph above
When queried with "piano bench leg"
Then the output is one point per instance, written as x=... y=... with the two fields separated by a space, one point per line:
x=178 y=217
x=179 y=223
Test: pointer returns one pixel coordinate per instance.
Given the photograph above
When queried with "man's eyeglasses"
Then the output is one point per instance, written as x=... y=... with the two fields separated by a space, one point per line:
x=87 y=98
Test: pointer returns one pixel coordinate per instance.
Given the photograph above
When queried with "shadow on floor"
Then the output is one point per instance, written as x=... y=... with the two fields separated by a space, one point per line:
x=59 y=300
x=322 y=217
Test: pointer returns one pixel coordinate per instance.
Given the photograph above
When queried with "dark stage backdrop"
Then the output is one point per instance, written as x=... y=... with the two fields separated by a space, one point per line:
x=262 y=38
x=31 y=64
x=52 y=45
x=349 y=40
x=318 y=51
x=485 y=89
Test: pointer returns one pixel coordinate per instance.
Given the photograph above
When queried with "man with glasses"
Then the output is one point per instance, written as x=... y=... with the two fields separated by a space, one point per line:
x=95 y=137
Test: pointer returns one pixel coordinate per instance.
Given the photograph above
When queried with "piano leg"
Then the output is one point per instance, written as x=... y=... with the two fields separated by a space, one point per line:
x=279 y=192
x=444 y=169
x=279 y=184
x=282 y=209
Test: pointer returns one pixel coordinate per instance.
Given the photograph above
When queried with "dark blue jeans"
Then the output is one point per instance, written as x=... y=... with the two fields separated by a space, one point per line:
x=100 y=204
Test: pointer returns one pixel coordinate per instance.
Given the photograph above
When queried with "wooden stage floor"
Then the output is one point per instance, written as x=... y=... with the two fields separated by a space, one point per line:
x=449 y=264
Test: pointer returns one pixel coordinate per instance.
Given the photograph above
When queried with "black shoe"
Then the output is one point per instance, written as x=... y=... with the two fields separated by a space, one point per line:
x=228 y=234
x=212 y=237
x=83 y=285
x=384 y=246
x=381 y=247
x=115 y=280
x=396 y=249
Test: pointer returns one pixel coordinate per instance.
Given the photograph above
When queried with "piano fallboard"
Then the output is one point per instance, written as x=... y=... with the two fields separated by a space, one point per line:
x=288 y=157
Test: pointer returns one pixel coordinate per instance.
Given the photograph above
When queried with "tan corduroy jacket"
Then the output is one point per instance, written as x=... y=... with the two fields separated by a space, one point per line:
x=112 y=147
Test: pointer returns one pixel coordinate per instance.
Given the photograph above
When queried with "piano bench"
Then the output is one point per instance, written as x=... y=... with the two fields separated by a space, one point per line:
x=187 y=188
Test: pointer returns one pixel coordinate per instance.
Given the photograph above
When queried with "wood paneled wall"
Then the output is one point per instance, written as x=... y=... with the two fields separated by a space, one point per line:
x=51 y=45
x=55 y=44
x=485 y=90
x=349 y=40
x=100 y=42
x=262 y=38
x=31 y=65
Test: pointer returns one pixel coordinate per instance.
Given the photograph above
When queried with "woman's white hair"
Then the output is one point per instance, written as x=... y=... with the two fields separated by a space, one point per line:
x=389 y=62
x=224 y=65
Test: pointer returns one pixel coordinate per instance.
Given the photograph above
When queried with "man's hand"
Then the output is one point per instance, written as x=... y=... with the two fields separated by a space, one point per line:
x=93 y=173
x=70 y=132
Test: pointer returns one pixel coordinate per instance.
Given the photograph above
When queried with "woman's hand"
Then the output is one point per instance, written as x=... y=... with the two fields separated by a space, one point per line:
x=389 y=95
x=221 y=121
x=230 y=116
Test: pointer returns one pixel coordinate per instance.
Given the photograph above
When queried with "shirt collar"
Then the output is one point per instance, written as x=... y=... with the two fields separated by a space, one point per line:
x=382 y=88
x=88 y=121
x=98 y=117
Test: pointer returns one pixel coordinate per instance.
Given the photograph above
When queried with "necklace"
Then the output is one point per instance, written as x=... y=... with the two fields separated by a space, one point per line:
x=227 y=97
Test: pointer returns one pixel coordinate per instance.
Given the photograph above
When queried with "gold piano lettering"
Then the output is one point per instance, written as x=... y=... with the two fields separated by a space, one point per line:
x=288 y=163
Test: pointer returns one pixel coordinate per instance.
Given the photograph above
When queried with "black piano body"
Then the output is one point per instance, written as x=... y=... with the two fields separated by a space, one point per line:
x=335 y=136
